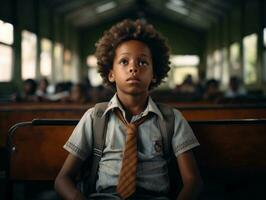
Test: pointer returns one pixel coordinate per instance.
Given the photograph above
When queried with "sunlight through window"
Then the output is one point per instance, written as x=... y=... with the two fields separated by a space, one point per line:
x=46 y=57
x=6 y=51
x=29 y=54
x=250 y=59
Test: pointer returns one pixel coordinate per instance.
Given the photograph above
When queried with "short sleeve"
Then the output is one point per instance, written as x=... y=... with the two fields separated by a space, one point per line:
x=183 y=138
x=80 y=142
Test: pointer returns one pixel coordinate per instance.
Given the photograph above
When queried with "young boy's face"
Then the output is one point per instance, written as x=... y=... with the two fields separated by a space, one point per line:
x=132 y=69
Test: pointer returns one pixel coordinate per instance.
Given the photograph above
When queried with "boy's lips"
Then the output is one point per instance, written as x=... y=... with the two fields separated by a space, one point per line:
x=133 y=80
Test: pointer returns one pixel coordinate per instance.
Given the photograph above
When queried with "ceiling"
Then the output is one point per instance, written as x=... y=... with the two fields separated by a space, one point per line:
x=198 y=14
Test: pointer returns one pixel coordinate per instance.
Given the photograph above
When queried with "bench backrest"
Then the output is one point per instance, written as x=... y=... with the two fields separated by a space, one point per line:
x=36 y=151
x=225 y=144
x=14 y=113
x=231 y=144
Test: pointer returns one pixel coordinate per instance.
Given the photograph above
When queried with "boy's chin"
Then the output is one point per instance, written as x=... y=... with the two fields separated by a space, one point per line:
x=138 y=92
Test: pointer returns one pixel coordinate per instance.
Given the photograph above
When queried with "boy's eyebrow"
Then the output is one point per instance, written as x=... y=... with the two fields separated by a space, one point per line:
x=145 y=55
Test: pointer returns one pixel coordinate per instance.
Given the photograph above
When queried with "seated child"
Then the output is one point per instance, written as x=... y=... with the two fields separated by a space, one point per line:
x=133 y=58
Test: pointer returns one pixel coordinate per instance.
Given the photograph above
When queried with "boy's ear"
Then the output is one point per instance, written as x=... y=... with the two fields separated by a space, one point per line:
x=111 y=77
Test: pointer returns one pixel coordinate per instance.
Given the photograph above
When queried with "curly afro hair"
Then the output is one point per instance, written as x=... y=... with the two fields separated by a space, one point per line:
x=133 y=30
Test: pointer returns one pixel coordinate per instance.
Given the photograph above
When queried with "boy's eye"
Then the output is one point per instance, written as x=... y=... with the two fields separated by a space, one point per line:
x=123 y=61
x=143 y=63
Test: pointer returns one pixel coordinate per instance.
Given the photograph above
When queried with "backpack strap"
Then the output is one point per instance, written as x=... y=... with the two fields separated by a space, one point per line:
x=99 y=134
x=167 y=129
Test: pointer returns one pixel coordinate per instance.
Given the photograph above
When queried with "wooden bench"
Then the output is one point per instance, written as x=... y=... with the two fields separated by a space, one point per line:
x=11 y=114
x=232 y=158
x=230 y=149
x=14 y=113
x=35 y=150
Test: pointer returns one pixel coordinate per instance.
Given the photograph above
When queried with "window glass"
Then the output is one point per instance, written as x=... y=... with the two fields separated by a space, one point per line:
x=29 y=54
x=250 y=59
x=46 y=57
x=235 y=68
x=6 y=51
x=210 y=64
x=217 y=70
x=58 y=62
x=67 y=65
x=94 y=77
x=264 y=55
x=179 y=74
x=225 y=67
x=182 y=66
x=92 y=61
x=264 y=37
x=264 y=65
x=5 y=63
x=93 y=74
x=6 y=30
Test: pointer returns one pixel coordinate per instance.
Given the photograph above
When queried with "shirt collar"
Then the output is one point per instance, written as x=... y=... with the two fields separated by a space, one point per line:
x=151 y=107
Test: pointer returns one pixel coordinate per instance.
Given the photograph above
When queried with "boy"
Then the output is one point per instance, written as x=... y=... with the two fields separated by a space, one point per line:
x=132 y=58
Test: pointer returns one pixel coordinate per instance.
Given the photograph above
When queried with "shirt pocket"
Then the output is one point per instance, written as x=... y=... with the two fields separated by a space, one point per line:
x=116 y=138
x=157 y=146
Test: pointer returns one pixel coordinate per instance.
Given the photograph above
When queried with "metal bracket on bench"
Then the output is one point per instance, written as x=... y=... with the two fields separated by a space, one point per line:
x=37 y=122
x=11 y=132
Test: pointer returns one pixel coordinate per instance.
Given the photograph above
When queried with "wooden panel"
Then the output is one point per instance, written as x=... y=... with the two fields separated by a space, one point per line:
x=11 y=114
x=39 y=152
x=234 y=146
x=215 y=113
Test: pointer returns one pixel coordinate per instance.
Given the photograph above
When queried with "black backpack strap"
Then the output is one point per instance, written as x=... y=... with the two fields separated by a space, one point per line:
x=99 y=135
x=167 y=128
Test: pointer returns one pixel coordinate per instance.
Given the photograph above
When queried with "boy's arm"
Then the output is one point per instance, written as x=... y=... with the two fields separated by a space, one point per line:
x=192 y=182
x=64 y=182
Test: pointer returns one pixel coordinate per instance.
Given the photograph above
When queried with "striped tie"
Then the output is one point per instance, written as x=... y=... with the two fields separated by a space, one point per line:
x=127 y=179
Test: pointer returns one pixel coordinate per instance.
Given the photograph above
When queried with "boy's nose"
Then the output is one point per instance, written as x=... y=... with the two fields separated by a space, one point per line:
x=133 y=68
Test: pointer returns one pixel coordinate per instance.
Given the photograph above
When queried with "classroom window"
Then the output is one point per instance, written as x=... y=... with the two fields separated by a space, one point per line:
x=29 y=54
x=93 y=74
x=58 y=62
x=264 y=55
x=46 y=57
x=67 y=65
x=264 y=37
x=250 y=59
x=217 y=68
x=6 y=35
x=5 y=63
x=225 y=67
x=182 y=66
x=6 y=51
x=210 y=64
x=234 y=61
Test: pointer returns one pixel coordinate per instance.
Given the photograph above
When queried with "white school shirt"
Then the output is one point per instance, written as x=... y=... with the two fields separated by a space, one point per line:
x=152 y=172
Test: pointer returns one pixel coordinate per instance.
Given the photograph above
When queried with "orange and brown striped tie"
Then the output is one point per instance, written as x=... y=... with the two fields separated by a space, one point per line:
x=127 y=179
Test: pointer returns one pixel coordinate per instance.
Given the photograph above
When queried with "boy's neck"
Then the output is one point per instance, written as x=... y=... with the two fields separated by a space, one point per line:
x=133 y=104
